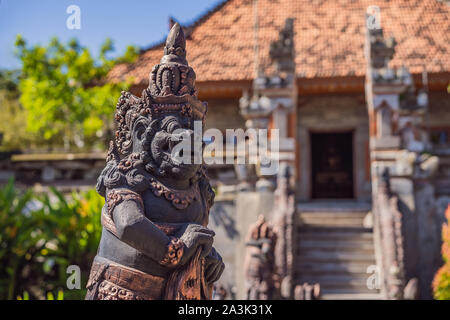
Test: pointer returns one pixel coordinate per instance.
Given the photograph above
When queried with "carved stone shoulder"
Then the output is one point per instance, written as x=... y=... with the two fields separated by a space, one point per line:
x=113 y=198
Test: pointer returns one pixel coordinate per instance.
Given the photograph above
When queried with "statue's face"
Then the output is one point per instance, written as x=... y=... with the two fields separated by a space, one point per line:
x=167 y=149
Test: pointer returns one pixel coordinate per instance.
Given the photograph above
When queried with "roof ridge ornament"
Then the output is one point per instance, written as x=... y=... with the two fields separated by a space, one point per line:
x=281 y=51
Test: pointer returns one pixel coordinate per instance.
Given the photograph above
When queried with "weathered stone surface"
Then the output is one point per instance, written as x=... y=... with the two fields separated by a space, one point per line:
x=249 y=205
x=222 y=219
x=307 y=291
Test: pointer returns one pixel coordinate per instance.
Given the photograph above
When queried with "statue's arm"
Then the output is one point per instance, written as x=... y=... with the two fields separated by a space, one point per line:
x=130 y=225
x=136 y=230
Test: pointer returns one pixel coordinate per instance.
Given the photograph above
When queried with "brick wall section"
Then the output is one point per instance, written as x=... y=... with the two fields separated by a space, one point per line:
x=224 y=114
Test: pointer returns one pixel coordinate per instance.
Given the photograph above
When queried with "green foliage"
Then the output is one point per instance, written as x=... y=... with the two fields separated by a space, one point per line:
x=13 y=133
x=441 y=282
x=50 y=296
x=59 y=296
x=41 y=235
x=62 y=91
x=18 y=242
x=26 y=296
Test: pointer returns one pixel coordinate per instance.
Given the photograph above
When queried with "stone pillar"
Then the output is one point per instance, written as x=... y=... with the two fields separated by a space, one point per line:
x=273 y=106
x=283 y=215
x=396 y=140
x=383 y=89
x=274 y=100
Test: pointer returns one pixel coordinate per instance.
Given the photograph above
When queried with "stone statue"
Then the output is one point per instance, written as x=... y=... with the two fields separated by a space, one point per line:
x=260 y=274
x=307 y=291
x=155 y=243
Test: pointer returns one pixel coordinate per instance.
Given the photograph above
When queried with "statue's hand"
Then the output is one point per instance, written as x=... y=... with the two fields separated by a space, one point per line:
x=195 y=236
x=214 y=266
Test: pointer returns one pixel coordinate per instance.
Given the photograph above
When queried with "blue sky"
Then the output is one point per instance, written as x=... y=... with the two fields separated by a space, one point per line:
x=135 y=22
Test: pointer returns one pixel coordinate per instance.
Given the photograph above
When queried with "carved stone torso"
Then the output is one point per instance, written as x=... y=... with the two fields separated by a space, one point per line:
x=158 y=211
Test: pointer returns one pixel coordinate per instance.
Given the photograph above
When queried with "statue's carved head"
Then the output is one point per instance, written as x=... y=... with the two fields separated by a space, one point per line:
x=149 y=128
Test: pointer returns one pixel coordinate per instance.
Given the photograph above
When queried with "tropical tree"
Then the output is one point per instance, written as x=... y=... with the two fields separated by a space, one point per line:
x=13 y=134
x=66 y=100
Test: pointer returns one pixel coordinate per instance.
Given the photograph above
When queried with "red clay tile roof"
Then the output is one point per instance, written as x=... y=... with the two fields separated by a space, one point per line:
x=329 y=38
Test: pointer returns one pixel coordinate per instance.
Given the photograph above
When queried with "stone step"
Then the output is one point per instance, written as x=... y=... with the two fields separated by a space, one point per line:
x=337 y=252
x=330 y=222
x=330 y=257
x=328 y=279
x=334 y=249
x=351 y=296
x=337 y=245
x=325 y=290
x=349 y=285
x=328 y=215
x=321 y=218
x=334 y=206
x=357 y=236
x=332 y=268
x=319 y=229
x=359 y=282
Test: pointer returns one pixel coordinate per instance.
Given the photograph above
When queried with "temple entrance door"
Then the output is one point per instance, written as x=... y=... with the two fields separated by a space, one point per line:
x=332 y=165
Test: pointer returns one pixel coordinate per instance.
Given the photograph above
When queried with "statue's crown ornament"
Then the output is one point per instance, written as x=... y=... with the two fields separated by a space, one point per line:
x=171 y=90
x=173 y=76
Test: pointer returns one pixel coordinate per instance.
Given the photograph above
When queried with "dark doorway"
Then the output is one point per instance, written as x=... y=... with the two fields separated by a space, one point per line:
x=332 y=165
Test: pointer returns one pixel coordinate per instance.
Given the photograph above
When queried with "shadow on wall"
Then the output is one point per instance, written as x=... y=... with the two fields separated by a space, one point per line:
x=223 y=218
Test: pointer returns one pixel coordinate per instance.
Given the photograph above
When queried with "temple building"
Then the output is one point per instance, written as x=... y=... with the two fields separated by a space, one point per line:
x=359 y=95
x=358 y=91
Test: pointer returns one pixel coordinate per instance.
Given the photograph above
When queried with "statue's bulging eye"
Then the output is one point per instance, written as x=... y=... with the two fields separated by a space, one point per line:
x=170 y=124
x=173 y=125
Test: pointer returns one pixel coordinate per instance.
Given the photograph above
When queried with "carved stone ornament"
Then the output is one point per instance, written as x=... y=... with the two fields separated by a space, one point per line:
x=155 y=242
x=260 y=274
x=174 y=252
x=390 y=238
x=179 y=199
x=381 y=50
x=282 y=50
